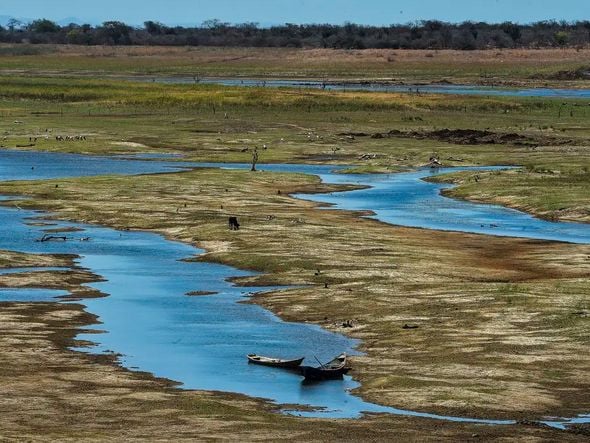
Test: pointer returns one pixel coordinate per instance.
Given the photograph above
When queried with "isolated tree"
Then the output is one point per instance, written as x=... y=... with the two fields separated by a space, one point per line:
x=115 y=32
x=13 y=24
x=154 y=28
x=44 y=26
x=562 y=38
x=513 y=30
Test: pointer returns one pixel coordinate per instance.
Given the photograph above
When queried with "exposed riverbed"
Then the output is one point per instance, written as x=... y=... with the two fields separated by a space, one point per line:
x=202 y=341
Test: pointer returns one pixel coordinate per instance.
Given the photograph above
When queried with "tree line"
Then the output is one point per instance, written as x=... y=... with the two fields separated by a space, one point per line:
x=429 y=34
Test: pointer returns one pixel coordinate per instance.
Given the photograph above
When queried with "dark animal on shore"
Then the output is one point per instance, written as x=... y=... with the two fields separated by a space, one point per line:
x=347 y=324
x=234 y=225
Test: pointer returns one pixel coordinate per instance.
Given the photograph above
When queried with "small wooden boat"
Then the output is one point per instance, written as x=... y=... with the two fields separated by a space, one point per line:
x=332 y=370
x=275 y=362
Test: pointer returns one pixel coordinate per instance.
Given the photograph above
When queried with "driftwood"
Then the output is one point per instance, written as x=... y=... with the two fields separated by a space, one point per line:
x=407 y=326
x=368 y=157
x=434 y=162
x=48 y=237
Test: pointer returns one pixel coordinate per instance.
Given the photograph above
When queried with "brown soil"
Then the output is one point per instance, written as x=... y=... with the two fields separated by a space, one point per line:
x=469 y=137
x=582 y=73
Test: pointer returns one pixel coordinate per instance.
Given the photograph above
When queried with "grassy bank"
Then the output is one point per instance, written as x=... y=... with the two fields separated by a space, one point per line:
x=214 y=123
x=533 y=67
x=549 y=194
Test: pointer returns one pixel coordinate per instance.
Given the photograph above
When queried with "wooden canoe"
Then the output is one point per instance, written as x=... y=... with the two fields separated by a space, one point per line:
x=334 y=369
x=275 y=362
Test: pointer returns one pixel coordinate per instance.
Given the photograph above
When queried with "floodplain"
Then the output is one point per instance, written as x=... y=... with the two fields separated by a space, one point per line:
x=501 y=323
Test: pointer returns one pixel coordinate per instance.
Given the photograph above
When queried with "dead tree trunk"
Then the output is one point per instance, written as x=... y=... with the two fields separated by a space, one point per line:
x=254 y=159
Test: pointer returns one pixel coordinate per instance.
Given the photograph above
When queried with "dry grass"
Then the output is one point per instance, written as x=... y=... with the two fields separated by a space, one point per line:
x=494 y=66
x=549 y=194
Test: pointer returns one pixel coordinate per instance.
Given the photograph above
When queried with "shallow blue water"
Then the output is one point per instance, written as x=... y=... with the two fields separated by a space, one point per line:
x=403 y=199
x=8 y=271
x=381 y=87
x=406 y=199
x=31 y=165
x=28 y=294
x=199 y=341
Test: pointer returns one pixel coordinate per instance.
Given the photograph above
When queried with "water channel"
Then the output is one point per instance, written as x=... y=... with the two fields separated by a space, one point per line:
x=442 y=88
x=201 y=341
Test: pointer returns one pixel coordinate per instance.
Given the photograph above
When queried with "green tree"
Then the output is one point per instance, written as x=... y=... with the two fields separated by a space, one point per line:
x=78 y=36
x=154 y=28
x=513 y=30
x=115 y=32
x=44 y=26
x=562 y=38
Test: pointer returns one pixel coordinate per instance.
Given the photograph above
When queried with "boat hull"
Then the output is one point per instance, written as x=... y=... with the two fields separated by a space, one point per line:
x=311 y=373
x=334 y=369
x=275 y=362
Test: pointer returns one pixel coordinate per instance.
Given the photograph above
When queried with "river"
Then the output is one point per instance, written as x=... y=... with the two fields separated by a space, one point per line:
x=442 y=88
x=201 y=341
